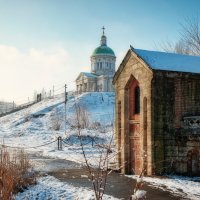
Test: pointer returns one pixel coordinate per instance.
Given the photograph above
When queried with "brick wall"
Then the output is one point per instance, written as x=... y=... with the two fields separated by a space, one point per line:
x=175 y=96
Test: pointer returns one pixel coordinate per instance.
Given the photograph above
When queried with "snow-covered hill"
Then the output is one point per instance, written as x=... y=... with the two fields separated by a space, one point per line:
x=37 y=128
x=99 y=107
x=43 y=122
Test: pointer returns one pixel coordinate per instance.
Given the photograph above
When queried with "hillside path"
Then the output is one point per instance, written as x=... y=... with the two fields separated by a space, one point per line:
x=118 y=185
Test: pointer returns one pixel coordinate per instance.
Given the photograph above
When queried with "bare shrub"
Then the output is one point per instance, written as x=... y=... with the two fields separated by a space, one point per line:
x=81 y=119
x=14 y=173
x=56 y=122
x=138 y=193
x=99 y=172
x=95 y=125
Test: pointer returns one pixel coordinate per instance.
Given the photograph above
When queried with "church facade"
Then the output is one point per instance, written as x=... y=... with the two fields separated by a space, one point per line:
x=99 y=79
x=158 y=113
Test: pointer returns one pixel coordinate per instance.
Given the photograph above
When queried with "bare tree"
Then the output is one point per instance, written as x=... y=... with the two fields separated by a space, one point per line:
x=139 y=193
x=98 y=172
x=190 y=35
x=189 y=42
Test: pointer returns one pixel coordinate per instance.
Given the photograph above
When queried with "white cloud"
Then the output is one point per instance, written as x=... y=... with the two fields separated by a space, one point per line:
x=23 y=72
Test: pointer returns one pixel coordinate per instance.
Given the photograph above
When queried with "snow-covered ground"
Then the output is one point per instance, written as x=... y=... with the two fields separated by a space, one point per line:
x=51 y=188
x=34 y=129
x=186 y=187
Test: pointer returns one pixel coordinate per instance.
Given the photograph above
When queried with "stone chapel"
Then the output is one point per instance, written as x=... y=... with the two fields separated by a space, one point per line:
x=158 y=113
x=99 y=79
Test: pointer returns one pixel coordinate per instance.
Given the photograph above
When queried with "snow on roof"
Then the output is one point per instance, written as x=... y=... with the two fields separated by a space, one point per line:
x=169 y=61
x=89 y=74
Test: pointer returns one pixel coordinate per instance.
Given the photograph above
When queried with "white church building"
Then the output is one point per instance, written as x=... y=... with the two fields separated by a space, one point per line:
x=99 y=79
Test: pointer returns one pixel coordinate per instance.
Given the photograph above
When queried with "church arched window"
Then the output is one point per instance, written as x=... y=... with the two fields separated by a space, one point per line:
x=100 y=65
x=137 y=100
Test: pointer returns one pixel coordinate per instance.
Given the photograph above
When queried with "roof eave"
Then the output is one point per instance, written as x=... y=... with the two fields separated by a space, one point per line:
x=127 y=56
x=178 y=72
x=103 y=54
x=121 y=66
x=144 y=62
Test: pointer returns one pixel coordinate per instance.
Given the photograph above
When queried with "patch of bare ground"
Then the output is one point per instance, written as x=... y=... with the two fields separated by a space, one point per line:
x=118 y=185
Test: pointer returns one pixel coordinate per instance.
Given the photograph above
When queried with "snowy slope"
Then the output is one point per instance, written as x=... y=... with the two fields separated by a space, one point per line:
x=33 y=129
x=99 y=107
x=34 y=126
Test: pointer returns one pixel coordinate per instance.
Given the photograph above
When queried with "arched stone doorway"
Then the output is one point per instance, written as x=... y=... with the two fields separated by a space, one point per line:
x=135 y=158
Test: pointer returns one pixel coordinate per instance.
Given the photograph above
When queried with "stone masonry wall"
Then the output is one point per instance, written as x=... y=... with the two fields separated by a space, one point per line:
x=176 y=110
x=132 y=68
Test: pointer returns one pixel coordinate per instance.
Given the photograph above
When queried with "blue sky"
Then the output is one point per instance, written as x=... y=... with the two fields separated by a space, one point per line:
x=48 y=42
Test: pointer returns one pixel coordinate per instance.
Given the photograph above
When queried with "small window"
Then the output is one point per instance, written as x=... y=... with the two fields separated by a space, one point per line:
x=100 y=65
x=137 y=100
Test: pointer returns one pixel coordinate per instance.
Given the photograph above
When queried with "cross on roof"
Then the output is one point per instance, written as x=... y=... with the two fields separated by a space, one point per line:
x=103 y=29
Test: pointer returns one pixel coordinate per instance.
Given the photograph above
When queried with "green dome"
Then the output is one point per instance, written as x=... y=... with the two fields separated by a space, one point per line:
x=103 y=49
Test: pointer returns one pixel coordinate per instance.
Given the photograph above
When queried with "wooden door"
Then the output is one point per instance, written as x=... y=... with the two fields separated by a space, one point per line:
x=135 y=148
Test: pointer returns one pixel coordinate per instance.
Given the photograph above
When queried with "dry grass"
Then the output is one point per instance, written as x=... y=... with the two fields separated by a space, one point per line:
x=15 y=174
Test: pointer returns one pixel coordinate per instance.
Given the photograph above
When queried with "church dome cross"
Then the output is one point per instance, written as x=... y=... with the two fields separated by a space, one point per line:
x=103 y=38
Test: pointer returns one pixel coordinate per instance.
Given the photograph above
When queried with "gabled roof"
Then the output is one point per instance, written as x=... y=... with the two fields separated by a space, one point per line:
x=163 y=61
x=169 y=61
x=91 y=75
x=87 y=74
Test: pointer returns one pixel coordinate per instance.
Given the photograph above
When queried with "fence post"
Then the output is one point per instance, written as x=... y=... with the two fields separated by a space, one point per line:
x=59 y=143
x=92 y=142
